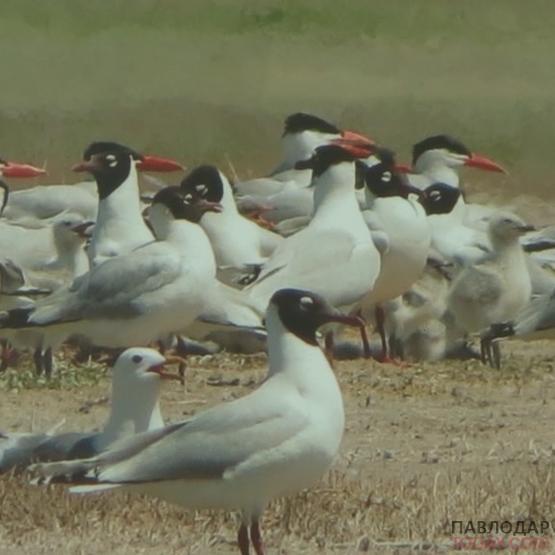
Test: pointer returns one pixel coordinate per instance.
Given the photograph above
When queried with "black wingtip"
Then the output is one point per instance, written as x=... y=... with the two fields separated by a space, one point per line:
x=16 y=318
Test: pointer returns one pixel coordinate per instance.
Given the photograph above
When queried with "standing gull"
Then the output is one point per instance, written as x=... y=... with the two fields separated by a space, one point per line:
x=240 y=455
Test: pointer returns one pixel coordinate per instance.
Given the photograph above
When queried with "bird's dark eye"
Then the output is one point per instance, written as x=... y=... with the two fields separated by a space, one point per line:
x=137 y=359
x=306 y=303
x=201 y=189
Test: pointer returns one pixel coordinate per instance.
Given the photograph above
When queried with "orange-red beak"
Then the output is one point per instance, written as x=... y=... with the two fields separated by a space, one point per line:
x=13 y=169
x=483 y=163
x=159 y=369
x=356 y=139
x=402 y=168
x=359 y=149
x=159 y=164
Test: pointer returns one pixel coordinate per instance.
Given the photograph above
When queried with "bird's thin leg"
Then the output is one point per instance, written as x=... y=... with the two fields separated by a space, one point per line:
x=243 y=539
x=6 y=351
x=496 y=352
x=380 y=326
x=48 y=362
x=256 y=538
x=328 y=346
x=38 y=360
x=483 y=350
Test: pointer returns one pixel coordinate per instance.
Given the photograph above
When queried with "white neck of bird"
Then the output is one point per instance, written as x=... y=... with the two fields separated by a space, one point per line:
x=70 y=254
x=191 y=240
x=289 y=354
x=122 y=207
x=228 y=200
x=135 y=408
x=334 y=195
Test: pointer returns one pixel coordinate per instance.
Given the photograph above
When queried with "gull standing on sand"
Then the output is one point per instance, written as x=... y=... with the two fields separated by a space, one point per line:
x=135 y=408
x=240 y=455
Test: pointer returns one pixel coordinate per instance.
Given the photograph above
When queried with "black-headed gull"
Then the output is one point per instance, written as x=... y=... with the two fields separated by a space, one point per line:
x=133 y=298
x=240 y=455
x=334 y=255
x=134 y=408
x=238 y=242
x=120 y=227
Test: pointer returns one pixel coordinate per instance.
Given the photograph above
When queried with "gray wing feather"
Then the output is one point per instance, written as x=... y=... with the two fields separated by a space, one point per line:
x=111 y=290
x=209 y=445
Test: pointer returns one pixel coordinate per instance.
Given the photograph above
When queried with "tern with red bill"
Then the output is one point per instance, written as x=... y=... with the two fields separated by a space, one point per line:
x=437 y=159
x=239 y=455
x=120 y=227
x=334 y=255
x=293 y=197
x=132 y=299
x=302 y=134
x=136 y=381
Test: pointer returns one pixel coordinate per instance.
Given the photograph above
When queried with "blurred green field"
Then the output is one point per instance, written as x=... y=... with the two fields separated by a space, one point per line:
x=211 y=80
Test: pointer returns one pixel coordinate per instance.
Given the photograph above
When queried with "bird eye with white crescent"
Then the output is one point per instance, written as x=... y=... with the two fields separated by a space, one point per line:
x=112 y=161
x=306 y=302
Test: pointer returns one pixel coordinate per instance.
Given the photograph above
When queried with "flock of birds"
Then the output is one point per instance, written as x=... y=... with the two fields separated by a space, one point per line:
x=339 y=234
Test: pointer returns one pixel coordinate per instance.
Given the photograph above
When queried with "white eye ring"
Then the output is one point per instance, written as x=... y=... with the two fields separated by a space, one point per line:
x=306 y=302
x=386 y=176
x=201 y=188
x=112 y=161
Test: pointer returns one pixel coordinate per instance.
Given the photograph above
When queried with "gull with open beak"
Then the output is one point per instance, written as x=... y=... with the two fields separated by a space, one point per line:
x=240 y=455
x=135 y=408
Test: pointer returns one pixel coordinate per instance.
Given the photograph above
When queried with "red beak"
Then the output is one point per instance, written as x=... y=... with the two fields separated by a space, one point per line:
x=483 y=163
x=13 y=169
x=357 y=148
x=159 y=369
x=158 y=164
x=354 y=138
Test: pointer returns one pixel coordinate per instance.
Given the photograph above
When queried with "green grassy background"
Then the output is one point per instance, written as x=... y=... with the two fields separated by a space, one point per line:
x=211 y=80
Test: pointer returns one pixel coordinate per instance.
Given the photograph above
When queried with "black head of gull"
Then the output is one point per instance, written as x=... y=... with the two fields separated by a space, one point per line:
x=204 y=182
x=183 y=206
x=383 y=180
x=110 y=164
x=439 y=198
x=303 y=312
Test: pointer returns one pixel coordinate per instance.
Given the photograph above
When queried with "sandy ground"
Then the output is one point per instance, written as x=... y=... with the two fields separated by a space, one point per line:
x=424 y=445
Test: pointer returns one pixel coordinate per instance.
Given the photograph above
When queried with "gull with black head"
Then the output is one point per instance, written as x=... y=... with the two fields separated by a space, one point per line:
x=240 y=455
